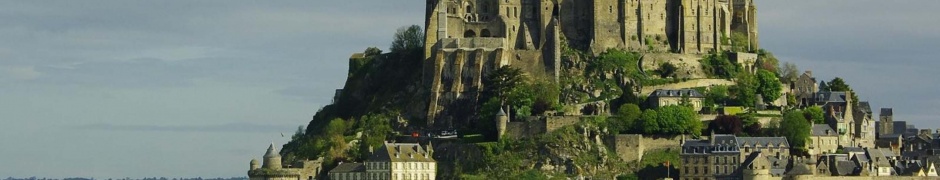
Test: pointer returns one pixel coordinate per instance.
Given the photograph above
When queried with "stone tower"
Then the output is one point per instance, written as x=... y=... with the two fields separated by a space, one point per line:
x=759 y=168
x=887 y=122
x=501 y=120
x=253 y=164
x=272 y=160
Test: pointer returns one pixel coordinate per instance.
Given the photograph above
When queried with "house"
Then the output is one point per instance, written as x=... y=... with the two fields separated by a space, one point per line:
x=393 y=161
x=882 y=162
x=724 y=156
x=666 y=97
x=823 y=140
x=864 y=125
x=804 y=89
x=839 y=114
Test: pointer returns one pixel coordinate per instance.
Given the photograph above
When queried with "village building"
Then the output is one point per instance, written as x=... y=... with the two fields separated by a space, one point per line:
x=667 y=97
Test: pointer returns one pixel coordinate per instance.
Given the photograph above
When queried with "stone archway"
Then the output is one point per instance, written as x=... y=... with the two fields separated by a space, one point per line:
x=469 y=34
x=485 y=33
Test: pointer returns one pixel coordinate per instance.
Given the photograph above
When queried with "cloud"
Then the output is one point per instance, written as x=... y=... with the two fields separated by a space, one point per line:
x=218 y=128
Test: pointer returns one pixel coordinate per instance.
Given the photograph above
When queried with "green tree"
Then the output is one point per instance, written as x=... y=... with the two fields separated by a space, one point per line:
x=408 y=39
x=744 y=91
x=501 y=82
x=796 y=128
x=671 y=120
x=769 y=85
x=648 y=122
x=815 y=114
x=627 y=115
x=719 y=65
x=716 y=95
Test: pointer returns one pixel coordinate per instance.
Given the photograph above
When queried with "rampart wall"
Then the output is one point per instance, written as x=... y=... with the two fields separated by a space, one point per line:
x=631 y=147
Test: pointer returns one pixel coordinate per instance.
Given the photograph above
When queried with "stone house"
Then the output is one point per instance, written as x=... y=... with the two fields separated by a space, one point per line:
x=724 y=156
x=864 y=125
x=393 y=161
x=823 y=140
x=839 y=114
x=666 y=97
x=804 y=89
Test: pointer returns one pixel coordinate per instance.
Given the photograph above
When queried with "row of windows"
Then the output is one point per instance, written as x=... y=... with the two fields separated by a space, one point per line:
x=716 y=170
x=717 y=160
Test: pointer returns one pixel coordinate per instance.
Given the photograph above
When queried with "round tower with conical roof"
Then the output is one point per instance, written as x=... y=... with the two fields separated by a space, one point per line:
x=501 y=120
x=272 y=160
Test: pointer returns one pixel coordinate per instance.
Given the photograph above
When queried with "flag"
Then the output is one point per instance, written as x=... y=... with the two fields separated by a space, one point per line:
x=667 y=163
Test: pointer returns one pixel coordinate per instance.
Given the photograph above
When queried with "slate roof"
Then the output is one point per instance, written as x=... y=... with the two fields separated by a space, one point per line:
x=677 y=93
x=822 y=129
x=349 y=167
x=887 y=112
x=763 y=141
x=864 y=106
x=880 y=157
x=843 y=168
x=831 y=96
x=401 y=152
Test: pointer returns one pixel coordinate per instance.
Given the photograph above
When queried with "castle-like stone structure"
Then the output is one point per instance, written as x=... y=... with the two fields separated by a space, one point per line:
x=272 y=169
x=465 y=39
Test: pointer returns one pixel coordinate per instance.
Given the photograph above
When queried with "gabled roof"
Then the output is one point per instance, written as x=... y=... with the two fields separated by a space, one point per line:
x=865 y=107
x=401 y=152
x=692 y=93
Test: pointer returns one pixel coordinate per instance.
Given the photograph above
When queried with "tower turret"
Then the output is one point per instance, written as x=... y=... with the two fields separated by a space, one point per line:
x=253 y=164
x=272 y=160
x=501 y=120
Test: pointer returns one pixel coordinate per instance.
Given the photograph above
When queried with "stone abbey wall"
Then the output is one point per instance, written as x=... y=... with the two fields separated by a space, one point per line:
x=466 y=38
x=631 y=147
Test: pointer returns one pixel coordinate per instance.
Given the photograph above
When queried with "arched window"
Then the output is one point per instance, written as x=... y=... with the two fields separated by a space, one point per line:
x=485 y=33
x=469 y=34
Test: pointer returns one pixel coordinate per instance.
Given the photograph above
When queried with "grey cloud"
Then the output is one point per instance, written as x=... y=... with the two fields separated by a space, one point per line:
x=219 y=128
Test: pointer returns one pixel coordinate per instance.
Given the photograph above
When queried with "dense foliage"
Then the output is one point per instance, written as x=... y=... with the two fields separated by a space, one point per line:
x=796 y=128
x=671 y=120
x=718 y=65
x=815 y=114
x=769 y=85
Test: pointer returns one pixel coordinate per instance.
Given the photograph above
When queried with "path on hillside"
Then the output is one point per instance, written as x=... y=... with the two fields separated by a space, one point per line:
x=687 y=84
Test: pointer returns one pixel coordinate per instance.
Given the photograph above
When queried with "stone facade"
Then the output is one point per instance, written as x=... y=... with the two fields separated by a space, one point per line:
x=823 y=140
x=729 y=157
x=272 y=169
x=465 y=39
x=887 y=122
x=393 y=161
x=864 y=125
x=804 y=89
x=666 y=97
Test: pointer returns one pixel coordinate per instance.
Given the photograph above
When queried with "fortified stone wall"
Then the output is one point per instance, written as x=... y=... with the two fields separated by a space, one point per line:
x=554 y=122
x=631 y=147
x=535 y=126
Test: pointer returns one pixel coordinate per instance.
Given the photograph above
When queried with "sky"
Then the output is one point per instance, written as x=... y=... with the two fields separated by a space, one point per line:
x=112 y=89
